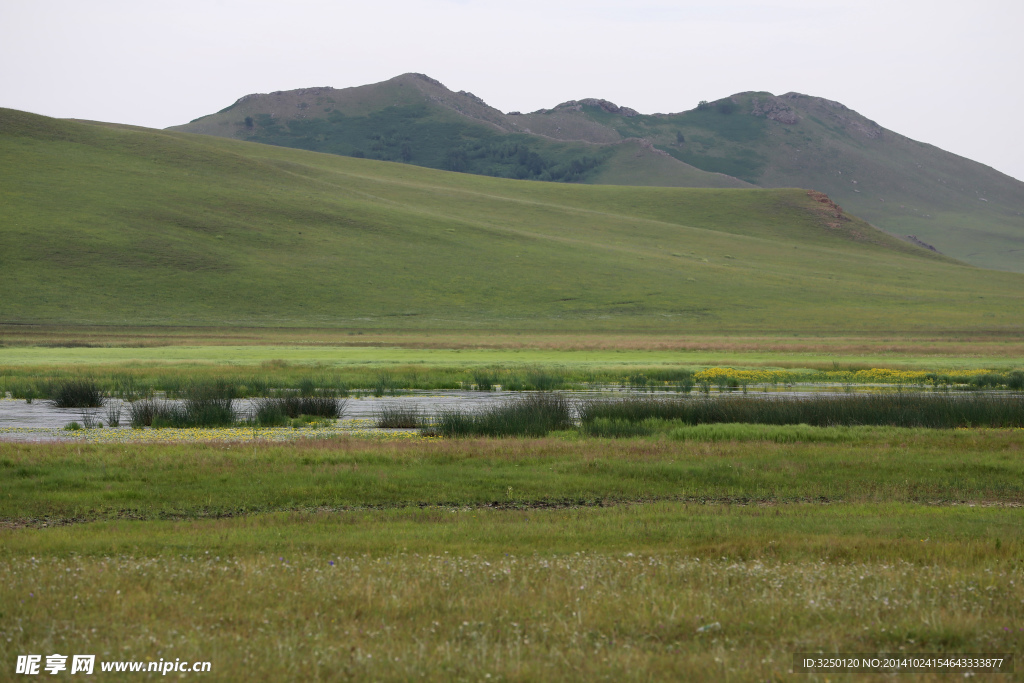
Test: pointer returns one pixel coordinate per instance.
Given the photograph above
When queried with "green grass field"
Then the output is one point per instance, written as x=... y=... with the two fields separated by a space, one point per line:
x=515 y=559
x=72 y=481
x=156 y=228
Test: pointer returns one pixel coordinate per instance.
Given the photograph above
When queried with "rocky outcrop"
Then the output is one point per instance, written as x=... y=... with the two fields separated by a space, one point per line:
x=913 y=240
x=830 y=211
x=647 y=145
x=774 y=110
x=473 y=97
x=605 y=105
x=841 y=114
x=428 y=79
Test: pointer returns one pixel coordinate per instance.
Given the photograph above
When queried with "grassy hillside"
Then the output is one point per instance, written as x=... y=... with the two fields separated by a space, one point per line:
x=414 y=119
x=112 y=225
x=962 y=208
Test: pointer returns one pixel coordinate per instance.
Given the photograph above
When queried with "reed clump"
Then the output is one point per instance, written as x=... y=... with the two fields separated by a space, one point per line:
x=935 y=411
x=397 y=416
x=76 y=393
x=319 y=405
x=142 y=413
x=485 y=380
x=114 y=414
x=209 y=404
x=533 y=415
x=281 y=410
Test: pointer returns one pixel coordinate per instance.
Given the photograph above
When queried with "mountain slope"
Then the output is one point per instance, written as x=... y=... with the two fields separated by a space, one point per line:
x=415 y=119
x=115 y=225
x=907 y=188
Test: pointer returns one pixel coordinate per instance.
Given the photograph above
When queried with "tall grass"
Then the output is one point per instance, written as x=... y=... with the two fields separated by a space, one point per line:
x=396 y=416
x=267 y=412
x=275 y=411
x=205 y=405
x=485 y=380
x=114 y=414
x=533 y=415
x=938 y=411
x=76 y=393
x=142 y=413
x=384 y=383
x=128 y=387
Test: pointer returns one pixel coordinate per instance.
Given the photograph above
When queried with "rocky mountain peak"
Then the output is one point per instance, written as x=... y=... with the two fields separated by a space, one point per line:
x=604 y=105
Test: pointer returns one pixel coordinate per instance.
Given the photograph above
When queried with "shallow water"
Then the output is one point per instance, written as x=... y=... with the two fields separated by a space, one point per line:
x=40 y=421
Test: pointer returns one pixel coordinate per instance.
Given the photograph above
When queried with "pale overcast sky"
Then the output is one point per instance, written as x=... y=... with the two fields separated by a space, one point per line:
x=946 y=73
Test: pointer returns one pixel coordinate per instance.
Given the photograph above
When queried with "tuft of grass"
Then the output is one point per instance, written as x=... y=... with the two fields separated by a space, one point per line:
x=320 y=405
x=114 y=414
x=268 y=412
x=397 y=416
x=281 y=410
x=89 y=420
x=76 y=393
x=533 y=415
x=308 y=421
x=142 y=413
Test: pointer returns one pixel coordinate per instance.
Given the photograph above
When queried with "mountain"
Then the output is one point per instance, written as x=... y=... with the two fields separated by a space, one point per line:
x=115 y=225
x=912 y=190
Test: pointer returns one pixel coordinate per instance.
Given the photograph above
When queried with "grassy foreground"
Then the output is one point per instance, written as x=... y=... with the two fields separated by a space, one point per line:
x=512 y=559
x=72 y=481
x=626 y=610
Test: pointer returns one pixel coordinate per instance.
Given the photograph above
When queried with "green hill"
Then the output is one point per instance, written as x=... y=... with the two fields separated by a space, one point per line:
x=414 y=119
x=907 y=188
x=108 y=224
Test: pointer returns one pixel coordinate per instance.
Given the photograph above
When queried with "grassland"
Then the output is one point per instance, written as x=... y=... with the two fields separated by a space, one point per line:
x=690 y=553
x=965 y=209
x=155 y=228
x=515 y=559
x=175 y=370
x=74 y=481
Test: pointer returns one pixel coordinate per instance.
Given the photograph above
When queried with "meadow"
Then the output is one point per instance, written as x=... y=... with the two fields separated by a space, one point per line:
x=516 y=559
x=172 y=229
x=31 y=371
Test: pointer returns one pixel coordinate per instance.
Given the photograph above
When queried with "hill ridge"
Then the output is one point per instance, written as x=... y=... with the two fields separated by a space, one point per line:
x=172 y=228
x=965 y=209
